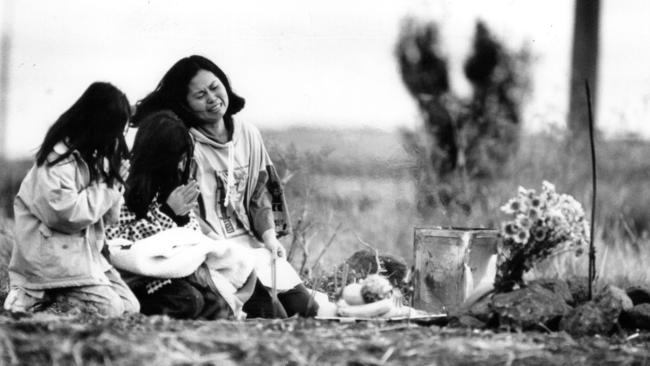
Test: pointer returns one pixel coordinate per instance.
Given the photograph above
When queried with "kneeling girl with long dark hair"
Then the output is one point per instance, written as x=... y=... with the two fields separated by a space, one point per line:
x=73 y=190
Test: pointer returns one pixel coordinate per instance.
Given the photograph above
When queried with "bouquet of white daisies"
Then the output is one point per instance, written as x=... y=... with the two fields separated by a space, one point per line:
x=540 y=224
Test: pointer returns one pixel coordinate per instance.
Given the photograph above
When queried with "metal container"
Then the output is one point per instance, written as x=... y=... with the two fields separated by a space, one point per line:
x=449 y=263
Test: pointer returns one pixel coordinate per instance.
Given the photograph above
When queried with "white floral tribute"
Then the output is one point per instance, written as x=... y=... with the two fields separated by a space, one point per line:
x=541 y=224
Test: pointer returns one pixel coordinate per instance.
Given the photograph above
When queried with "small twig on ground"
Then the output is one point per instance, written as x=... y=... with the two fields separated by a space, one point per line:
x=386 y=356
x=541 y=325
x=379 y=266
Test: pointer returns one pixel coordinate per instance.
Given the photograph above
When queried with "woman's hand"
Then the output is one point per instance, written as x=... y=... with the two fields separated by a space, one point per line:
x=182 y=200
x=273 y=244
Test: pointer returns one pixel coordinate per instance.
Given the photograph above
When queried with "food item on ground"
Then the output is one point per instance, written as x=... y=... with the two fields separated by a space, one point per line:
x=403 y=312
x=374 y=309
x=375 y=287
x=327 y=309
x=352 y=294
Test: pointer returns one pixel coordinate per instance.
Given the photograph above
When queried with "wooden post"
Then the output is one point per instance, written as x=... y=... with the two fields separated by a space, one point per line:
x=441 y=256
x=5 y=57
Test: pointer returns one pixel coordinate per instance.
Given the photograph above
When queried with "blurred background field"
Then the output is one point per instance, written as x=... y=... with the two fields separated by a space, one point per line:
x=358 y=185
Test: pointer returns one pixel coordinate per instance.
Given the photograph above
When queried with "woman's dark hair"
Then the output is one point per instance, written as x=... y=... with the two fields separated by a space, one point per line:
x=171 y=92
x=93 y=126
x=162 y=141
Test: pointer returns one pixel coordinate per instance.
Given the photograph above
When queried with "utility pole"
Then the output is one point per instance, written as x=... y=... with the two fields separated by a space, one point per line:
x=584 y=64
x=5 y=58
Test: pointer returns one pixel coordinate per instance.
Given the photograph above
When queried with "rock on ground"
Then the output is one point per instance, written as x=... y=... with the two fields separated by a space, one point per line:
x=579 y=287
x=586 y=319
x=529 y=307
x=557 y=286
x=612 y=301
x=466 y=321
x=636 y=318
x=638 y=295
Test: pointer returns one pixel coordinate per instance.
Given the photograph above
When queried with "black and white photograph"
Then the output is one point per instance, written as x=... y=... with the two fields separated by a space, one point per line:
x=301 y=182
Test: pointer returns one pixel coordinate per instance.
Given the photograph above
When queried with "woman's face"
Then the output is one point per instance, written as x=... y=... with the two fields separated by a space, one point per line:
x=207 y=96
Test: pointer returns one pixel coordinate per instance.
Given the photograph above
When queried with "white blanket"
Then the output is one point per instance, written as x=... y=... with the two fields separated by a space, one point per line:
x=178 y=252
x=286 y=276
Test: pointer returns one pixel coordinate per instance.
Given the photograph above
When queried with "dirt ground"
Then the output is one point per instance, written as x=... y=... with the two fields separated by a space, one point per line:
x=84 y=339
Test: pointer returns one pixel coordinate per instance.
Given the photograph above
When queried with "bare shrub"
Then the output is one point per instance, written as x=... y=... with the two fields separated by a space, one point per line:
x=465 y=139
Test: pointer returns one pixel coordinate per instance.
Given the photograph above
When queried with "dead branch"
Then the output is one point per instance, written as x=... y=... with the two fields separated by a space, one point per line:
x=379 y=266
x=326 y=247
x=628 y=229
x=346 y=272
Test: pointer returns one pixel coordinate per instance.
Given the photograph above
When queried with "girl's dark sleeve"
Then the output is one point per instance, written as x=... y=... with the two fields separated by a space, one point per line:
x=268 y=208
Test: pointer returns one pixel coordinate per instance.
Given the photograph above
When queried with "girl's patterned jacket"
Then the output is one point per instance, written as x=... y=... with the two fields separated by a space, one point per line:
x=159 y=218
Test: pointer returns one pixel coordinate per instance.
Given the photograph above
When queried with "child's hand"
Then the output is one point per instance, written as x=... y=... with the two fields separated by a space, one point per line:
x=182 y=200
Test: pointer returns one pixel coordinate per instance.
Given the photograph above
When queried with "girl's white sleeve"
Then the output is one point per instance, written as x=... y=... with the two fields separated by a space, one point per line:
x=63 y=206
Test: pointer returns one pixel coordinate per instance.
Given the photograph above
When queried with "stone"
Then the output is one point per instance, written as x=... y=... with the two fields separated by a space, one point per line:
x=586 y=319
x=638 y=295
x=579 y=288
x=465 y=321
x=557 y=286
x=481 y=309
x=612 y=301
x=636 y=318
x=529 y=308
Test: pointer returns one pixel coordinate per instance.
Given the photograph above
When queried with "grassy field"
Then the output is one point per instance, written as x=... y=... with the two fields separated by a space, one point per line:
x=346 y=187
x=359 y=185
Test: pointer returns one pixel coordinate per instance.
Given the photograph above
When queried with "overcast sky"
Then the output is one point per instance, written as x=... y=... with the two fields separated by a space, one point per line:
x=297 y=62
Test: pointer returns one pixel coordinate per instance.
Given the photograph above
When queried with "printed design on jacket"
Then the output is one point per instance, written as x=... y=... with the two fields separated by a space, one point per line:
x=131 y=228
x=269 y=179
x=227 y=211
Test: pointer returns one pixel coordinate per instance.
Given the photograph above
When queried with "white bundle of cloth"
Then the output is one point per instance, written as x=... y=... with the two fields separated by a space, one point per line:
x=178 y=252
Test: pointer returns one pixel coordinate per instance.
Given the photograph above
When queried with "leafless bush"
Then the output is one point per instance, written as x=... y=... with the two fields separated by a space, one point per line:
x=465 y=139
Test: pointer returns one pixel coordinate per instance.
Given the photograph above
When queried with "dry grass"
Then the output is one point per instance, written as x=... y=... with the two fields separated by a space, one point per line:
x=139 y=340
x=370 y=191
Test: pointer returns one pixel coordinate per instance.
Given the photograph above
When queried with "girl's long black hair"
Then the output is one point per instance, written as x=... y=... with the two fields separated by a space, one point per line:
x=171 y=92
x=93 y=126
x=161 y=144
